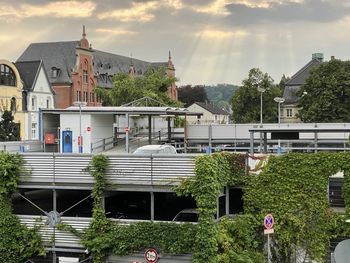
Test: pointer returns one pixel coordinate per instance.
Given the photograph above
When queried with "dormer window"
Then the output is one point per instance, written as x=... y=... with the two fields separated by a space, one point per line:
x=54 y=72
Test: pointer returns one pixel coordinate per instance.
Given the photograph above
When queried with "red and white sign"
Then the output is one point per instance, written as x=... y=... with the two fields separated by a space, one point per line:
x=88 y=128
x=151 y=255
x=269 y=221
x=126 y=129
x=80 y=140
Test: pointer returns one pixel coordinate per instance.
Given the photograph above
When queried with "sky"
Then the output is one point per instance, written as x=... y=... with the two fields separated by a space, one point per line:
x=211 y=41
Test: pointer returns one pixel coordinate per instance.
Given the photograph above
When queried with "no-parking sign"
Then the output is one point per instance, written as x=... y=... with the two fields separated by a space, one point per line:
x=269 y=221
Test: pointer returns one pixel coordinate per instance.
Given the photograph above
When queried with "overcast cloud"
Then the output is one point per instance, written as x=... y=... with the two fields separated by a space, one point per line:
x=212 y=41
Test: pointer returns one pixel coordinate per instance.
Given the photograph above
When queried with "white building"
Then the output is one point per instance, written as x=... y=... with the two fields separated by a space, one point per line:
x=37 y=94
x=211 y=114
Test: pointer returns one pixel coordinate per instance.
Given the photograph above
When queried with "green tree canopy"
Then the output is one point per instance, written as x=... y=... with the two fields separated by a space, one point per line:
x=188 y=94
x=9 y=130
x=325 y=97
x=246 y=100
x=154 y=84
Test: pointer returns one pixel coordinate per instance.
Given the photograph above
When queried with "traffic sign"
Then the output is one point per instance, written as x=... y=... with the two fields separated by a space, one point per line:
x=269 y=231
x=269 y=221
x=151 y=255
x=126 y=129
x=88 y=128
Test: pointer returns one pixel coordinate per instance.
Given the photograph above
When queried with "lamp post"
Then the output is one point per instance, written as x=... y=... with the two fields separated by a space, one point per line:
x=80 y=139
x=279 y=101
x=261 y=90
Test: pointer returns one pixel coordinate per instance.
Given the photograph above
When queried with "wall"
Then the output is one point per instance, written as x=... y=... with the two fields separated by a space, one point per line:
x=71 y=122
x=207 y=116
x=41 y=92
x=8 y=92
x=101 y=127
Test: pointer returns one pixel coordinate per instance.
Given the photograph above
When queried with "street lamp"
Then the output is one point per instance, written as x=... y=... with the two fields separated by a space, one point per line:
x=279 y=101
x=80 y=139
x=261 y=90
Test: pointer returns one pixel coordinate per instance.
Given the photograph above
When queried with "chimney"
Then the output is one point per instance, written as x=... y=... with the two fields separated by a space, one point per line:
x=317 y=56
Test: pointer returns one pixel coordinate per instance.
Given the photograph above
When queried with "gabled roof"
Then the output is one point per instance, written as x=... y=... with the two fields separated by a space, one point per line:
x=300 y=77
x=29 y=71
x=297 y=80
x=62 y=55
x=211 y=108
x=107 y=64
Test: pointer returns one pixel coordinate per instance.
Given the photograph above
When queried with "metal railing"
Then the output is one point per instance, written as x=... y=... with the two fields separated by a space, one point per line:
x=68 y=170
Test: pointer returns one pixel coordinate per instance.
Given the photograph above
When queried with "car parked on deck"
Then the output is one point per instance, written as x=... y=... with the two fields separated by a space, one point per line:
x=156 y=149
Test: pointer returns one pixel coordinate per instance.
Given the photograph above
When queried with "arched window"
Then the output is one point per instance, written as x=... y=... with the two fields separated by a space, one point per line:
x=7 y=76
x=13 y=104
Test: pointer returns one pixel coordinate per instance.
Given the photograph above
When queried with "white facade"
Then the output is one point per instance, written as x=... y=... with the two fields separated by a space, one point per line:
x=207 y=116
x=93 y=128
x=41 y=97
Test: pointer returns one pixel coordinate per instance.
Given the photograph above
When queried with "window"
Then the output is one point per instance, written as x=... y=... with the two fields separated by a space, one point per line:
x=289 y=112
x=34 y=133
x=85 y=77
x=33 y=103
x=13 y=104
x=48 y=103
x=54 y=72
x=78 y=95
x=92 y=97
x=85 y=96
x=7 y=76
x=335 y=194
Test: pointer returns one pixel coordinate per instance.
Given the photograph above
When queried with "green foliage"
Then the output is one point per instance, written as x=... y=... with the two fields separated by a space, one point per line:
x=189 y=95
x=246 y=100
x=293 y=187
x=17 y=242
x=328 y=97
x=238 y=240
x=9 y=130
x=154 y=84
x=213 y=172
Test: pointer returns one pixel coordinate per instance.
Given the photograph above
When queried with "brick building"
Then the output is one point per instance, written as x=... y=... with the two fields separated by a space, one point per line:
x=75 y=69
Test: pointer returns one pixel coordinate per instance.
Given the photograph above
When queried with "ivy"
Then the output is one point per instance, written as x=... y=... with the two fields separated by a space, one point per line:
x=17 y=242
x=293 y=187
x=213 y=172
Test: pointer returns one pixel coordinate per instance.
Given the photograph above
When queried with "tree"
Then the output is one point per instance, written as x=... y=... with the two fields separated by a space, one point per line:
x=188 y=94
x=246 y=100
x=154 y=83
x=325 y=97
x=9 y=130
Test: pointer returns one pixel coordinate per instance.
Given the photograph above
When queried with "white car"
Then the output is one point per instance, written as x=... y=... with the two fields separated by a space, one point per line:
x=156 y=149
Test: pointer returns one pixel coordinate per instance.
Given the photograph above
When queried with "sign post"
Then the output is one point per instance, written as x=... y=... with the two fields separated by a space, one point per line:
x=126 y=129
x=269 y=221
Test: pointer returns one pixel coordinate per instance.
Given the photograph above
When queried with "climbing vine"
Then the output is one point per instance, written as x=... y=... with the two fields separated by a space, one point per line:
x=17 y=242
x=213 y=172
x=293 y=187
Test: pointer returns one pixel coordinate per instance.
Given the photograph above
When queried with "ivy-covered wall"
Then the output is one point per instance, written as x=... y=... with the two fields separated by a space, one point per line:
x=17 y=242
x=293 y=187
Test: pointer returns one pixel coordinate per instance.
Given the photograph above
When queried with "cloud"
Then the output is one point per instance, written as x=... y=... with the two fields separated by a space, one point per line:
x=219 y=34
x=287 y=11
x=63 y=9
x=115 y=31
x=136 y=12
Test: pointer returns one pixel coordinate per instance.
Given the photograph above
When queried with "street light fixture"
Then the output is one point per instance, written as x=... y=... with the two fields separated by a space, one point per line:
x=80 y=139
x=261 y=90
x=279 y=101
